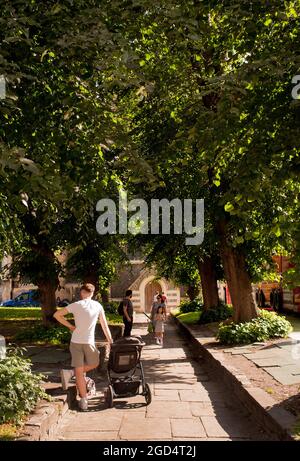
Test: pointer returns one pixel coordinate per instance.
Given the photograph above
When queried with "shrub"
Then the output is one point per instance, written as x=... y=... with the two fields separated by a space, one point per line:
x=40 y=334
x=221 y=312
x=268 y=325
x=8 y=432
x=278 y=326
x=111 y=307
x=19 y=388
x=191 y=306
x=114 y=318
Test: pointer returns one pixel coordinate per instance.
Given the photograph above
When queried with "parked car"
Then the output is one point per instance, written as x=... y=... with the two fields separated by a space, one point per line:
x=27 y=298
x=31 y=298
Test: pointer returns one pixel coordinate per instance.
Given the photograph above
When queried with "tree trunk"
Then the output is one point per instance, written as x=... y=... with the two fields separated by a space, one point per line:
x=12 y=287
x=238 y=279
x=48 y=302
x=209 y=283
x=192 y=292
x=47 y=285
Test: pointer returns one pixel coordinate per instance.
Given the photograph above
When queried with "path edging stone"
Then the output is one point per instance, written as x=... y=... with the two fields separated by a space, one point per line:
x=43 y=422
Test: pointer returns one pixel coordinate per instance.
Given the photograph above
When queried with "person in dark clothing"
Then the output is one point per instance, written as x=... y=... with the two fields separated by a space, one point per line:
x=272 y=298
x=260 y=297
x=277 y=299
x=127 y=313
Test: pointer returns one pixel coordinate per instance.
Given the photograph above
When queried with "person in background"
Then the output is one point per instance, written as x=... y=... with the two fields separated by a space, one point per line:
x=155 y=296
x=127 y=313
x=163 y=305
x=85 y=355
x=164 y=300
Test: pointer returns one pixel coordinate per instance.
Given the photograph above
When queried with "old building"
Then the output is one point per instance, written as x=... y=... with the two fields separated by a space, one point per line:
x=143 y=282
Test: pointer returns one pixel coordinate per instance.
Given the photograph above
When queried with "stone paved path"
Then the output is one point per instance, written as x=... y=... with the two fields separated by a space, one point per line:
x=281 y=360
x=188 y=403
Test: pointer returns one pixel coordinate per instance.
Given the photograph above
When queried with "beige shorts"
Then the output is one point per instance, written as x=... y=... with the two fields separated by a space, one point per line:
x=84 y=354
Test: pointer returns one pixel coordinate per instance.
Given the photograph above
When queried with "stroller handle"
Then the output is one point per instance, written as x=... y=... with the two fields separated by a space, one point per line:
x=147 y=315
x=123 y=342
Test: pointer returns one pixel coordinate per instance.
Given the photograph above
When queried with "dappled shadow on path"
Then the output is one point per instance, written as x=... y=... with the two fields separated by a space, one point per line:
x=180 y=377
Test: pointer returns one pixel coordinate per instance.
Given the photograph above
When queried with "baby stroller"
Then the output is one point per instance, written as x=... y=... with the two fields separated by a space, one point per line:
x=125 y=370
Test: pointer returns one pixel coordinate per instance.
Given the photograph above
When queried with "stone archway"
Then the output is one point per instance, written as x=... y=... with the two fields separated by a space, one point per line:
x=142 y=290
x=150 y=289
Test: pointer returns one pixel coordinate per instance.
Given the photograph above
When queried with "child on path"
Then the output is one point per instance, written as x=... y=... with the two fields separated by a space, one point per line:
x=159 y=325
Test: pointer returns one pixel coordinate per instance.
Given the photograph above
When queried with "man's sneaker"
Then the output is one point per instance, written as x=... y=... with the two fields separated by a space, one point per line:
x=65 y=376
x=83 y=404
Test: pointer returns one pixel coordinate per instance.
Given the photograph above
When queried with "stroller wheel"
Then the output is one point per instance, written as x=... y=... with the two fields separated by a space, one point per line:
x=147 y=394
x=109 y=397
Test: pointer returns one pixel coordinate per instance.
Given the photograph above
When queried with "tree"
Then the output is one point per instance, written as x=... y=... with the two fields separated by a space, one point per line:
x=96 y=263
x=170 y=98
x=53 y=130
x=202 y=102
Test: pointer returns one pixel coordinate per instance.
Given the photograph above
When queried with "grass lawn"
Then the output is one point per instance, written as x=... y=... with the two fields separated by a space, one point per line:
x=20 y=313
x=190 y=318
x=175 y=311
x=14 y=320
x=35 y=313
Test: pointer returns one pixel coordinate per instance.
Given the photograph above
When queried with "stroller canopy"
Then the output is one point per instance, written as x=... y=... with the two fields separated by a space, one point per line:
x=128 y=341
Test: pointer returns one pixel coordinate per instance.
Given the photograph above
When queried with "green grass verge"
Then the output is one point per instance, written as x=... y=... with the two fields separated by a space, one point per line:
x=35 y=313
x=20 y=313
x=190 y=318
x=24 y=325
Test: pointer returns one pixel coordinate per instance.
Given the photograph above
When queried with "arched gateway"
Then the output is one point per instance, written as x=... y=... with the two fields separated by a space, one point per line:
x=144 y=283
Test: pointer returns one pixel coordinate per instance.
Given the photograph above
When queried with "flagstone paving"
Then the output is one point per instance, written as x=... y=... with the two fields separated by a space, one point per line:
x=187 y=402
x=281 y=360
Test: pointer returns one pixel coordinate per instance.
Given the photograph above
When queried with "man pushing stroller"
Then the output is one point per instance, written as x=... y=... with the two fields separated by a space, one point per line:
x=85 y=355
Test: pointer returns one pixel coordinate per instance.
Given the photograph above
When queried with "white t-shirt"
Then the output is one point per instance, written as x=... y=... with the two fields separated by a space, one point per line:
x=86 y=313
